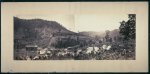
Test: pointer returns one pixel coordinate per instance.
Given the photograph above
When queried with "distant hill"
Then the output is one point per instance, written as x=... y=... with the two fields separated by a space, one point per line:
x=92 y=33
x=112 y=34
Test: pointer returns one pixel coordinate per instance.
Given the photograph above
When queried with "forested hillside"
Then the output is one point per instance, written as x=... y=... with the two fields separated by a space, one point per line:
x=37 y=31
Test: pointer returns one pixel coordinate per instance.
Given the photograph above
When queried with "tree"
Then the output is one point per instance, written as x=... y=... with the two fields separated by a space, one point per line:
x=127 y=29
x=107 y=35
x=107 y=32
x=115 y=38
x=131 y=22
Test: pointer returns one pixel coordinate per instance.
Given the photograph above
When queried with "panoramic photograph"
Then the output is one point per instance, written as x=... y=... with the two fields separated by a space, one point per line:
x=75 y=37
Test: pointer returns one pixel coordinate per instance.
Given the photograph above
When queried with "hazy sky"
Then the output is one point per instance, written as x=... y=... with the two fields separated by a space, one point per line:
x=98 y=22
x=85 y=22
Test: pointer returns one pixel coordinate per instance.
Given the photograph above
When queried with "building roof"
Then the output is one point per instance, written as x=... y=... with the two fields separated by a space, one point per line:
x=31 y=46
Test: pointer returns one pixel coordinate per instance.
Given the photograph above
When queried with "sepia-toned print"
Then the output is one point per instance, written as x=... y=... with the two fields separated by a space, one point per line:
x=75 y=37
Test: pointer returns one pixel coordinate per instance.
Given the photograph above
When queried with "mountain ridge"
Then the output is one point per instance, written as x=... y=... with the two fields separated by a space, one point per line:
x=42 y=32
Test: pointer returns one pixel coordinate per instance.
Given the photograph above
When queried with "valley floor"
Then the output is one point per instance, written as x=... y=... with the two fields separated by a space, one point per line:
x=117 y=51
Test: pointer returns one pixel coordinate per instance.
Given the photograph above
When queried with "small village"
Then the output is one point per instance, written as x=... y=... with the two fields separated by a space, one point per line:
x=97 y=51
x=42 y=43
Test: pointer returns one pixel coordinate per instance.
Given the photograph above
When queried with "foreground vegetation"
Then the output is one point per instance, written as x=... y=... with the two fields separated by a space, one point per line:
x=119 y=51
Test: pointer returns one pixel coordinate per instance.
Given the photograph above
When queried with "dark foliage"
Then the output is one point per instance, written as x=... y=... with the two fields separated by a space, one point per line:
x=127 y=29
